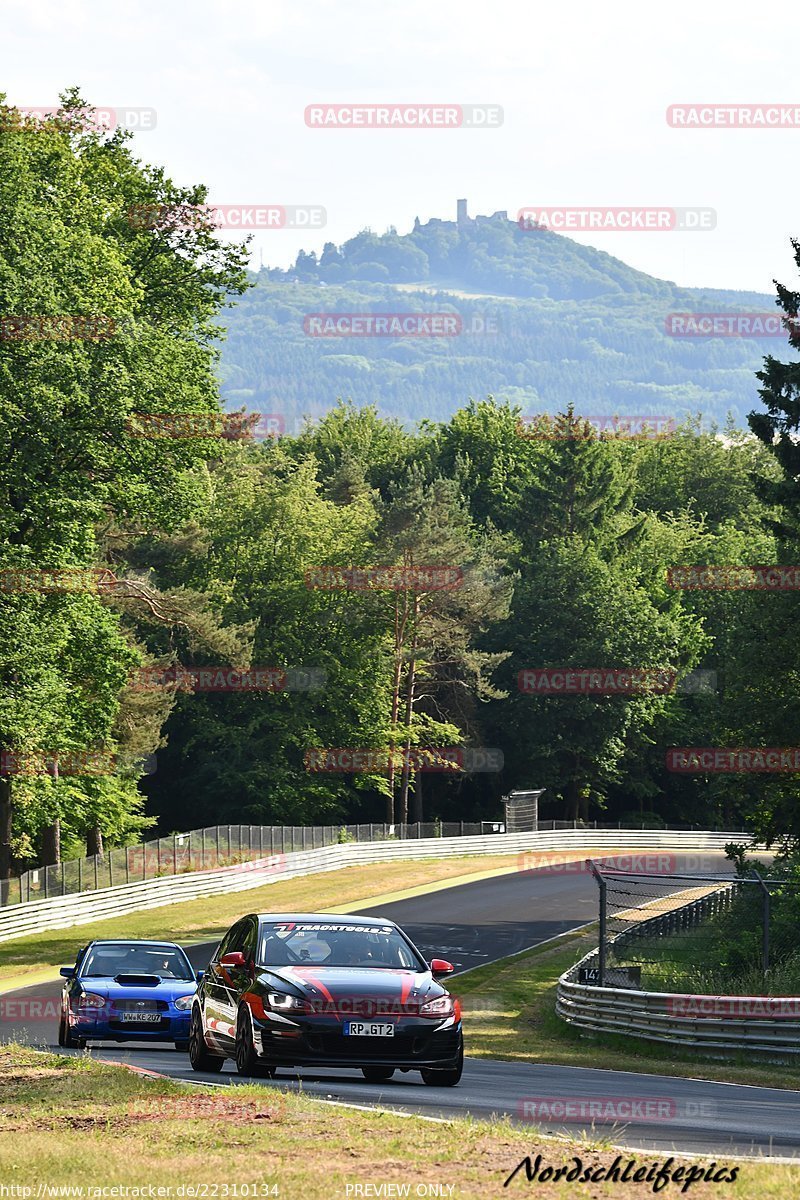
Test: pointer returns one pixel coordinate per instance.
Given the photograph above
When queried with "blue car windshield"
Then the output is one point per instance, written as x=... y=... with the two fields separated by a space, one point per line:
x=123 y=959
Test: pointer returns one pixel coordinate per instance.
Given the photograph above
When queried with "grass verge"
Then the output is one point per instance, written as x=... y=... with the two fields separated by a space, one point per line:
x=509 y=1013
x=74 y=1122
x=206 y=918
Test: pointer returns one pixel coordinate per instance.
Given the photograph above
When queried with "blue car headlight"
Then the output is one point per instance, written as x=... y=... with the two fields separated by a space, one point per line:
x=183 y=1003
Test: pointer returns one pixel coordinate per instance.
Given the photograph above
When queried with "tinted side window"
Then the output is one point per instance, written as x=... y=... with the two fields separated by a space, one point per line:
x=248 y=941
x=228 y=943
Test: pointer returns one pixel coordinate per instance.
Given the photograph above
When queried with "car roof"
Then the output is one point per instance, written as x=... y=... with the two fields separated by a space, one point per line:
x=130 y=942
x=324 y=918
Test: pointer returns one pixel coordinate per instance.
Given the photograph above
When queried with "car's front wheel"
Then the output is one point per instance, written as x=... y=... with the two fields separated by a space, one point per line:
x=247 y=1061
x=377 y=1074
x=200 y=1057
x=449 y=1077
x=66 y=1038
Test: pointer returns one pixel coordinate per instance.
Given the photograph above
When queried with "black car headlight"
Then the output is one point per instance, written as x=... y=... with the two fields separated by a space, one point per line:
x=443 y=1006
x=283 y=1002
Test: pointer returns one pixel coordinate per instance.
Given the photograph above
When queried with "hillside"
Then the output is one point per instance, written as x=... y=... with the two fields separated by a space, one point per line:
x=544 y=320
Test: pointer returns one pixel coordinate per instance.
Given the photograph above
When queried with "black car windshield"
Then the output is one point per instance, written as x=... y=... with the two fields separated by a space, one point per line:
x=334 y=944
x=123 y=959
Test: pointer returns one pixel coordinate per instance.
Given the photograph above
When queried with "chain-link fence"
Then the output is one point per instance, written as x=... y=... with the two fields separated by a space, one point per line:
x=209 y=849
x=226 y=845
x=698 y=933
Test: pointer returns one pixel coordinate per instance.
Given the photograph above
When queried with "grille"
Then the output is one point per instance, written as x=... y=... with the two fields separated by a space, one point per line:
x=140 y=1006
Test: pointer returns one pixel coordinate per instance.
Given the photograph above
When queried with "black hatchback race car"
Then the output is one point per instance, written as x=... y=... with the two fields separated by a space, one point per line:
x=307 y=989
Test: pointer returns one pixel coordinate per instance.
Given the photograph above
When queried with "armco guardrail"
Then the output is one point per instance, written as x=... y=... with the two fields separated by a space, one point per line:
x=62 y=912
x=728 y=1024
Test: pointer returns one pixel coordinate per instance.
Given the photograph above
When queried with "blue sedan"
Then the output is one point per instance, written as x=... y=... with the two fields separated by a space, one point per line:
x=127 y=992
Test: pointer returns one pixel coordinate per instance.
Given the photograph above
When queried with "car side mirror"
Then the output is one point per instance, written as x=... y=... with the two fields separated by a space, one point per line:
x=199 y=976
x=67 y=972
x=234 y=959
x=440 y=966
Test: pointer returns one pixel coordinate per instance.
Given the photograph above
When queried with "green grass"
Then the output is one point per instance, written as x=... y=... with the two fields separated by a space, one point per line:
x=509 y=1013
x=77 y=1122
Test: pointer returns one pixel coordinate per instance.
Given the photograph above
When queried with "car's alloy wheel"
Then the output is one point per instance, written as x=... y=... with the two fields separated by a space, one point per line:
x=377 y=1074
x=449 y=1077
x=200 y=1057
x=247 y=1061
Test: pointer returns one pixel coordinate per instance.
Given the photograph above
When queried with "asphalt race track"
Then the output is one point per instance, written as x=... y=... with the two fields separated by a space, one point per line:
x=474 y=924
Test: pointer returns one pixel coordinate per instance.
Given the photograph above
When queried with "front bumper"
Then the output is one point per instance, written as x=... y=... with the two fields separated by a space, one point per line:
x=322 y=1042
x=171 y=1027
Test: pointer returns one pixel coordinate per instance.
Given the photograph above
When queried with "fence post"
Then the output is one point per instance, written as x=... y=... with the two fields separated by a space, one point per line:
x=601 y=961
x=80 y=874
x=203 y=848
x=96 y=883
x=63 y=879
x=174 y=854
x=765 y=918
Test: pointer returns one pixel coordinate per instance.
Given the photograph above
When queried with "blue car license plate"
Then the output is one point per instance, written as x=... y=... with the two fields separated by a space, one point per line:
x=368 y=1029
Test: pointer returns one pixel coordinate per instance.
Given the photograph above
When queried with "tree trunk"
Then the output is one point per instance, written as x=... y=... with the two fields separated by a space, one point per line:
x=51 y=844
x=411 y=680
x=6 y=819
x=94 y=841
x=399 y=642
x=417 y=797
x=571 y=800
x=584 y=805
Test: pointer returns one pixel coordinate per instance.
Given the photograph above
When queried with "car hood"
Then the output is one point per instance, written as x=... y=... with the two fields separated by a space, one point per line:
x=167 y=989
x=368 y=985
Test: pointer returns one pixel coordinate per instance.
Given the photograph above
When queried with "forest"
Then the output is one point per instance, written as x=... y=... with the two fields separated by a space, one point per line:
x=342 y=623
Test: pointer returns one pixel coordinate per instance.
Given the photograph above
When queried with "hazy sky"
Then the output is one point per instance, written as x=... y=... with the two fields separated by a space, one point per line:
x=584 y=88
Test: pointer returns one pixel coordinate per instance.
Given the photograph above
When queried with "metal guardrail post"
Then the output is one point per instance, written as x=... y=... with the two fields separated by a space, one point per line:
x=601 y=957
